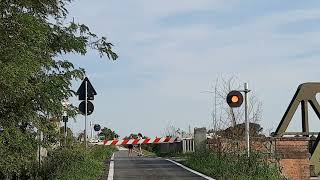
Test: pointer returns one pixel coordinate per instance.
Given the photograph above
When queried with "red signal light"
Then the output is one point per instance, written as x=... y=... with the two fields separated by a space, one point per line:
x=234 y=99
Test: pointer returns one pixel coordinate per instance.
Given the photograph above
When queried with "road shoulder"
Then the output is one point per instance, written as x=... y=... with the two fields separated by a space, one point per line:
x=109 y=169
x=189 y=169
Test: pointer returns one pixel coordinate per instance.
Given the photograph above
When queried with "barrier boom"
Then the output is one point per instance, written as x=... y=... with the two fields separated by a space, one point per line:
x=118 y=142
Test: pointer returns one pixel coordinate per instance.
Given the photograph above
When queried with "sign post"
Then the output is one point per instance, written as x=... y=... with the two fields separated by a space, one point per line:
x=91 y=133
x=65 y=120
x=86 y=114
x=65 y=104
x=234 y=100
x=86 y=92
x=246 y=91
x=97 y=128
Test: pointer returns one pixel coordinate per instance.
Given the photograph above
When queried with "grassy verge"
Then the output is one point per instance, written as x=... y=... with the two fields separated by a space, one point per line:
x=232 y=166
x=148 y=153
x=76 y=163
x=169 y=154
x=156 y=151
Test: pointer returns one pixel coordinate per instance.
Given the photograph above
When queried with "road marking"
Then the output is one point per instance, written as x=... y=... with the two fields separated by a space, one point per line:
x=191 y=170
x=111 y=168
x=120 y=148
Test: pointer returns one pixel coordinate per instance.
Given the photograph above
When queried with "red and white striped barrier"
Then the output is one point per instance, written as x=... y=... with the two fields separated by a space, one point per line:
x=137 y=141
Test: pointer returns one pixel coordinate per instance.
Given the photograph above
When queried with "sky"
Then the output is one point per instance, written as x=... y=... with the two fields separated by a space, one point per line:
x=172 y=50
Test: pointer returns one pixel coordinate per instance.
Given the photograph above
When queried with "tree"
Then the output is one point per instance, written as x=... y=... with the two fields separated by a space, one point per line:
x=238 y=131
x=34 y=77
x=108 y=133
x=171 y=131
x=227 y=116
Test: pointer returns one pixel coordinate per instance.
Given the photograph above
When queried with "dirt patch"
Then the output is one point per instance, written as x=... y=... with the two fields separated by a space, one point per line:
x=106 y=171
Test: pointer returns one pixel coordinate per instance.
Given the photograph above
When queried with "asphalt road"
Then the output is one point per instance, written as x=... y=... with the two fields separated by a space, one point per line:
x=148 y=168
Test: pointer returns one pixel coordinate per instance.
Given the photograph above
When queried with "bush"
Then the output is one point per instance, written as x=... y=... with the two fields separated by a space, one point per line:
x=156 y=148
x=229 y=166
x=75 y=163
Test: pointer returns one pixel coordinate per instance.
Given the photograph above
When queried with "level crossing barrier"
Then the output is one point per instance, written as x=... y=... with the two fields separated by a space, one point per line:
x=118 y=142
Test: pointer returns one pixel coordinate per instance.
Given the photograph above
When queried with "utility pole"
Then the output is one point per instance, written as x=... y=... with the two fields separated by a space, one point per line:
x=247 y=123
x=214 y=115
x=215 y=110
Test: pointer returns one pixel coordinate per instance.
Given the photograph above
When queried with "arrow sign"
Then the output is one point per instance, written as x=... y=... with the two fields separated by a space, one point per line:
x=82 y=90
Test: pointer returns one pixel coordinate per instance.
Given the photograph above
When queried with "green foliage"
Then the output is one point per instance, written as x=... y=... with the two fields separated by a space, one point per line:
x=14 y=150
x=34 y=78
x=162 y=152
x=169 y=154
x=134 y=136
x=230 y=166
x=70 y=137
x=150 y=147
x=75 y=163
x=108 y=133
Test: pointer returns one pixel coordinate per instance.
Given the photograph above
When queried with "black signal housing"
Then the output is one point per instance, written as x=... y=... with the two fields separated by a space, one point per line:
x=235 y=99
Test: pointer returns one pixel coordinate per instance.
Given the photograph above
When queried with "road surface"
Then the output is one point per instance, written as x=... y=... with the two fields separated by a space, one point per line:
x=148 y=168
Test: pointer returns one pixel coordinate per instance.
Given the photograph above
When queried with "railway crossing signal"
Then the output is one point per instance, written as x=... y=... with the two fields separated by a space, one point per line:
x=234 y=99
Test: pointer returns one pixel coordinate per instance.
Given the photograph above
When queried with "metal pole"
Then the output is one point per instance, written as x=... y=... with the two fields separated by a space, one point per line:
x=65 y=133
x=39 y=149
x=215 y=110
x=91 y=132
x=65 y=104
x=247 y=129
x=65 y=119
x=85 y=117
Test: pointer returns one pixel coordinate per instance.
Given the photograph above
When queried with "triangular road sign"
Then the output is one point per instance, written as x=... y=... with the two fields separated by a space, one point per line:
x=82 y=90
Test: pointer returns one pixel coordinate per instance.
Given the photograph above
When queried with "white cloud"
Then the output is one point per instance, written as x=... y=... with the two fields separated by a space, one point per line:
x=187 y=59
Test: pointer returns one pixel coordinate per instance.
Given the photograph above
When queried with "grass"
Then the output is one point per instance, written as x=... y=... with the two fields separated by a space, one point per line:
x=77 y=163
x=170 y=154
x=232 y=166
x=148 y=153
